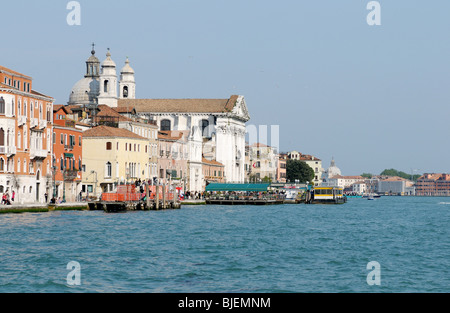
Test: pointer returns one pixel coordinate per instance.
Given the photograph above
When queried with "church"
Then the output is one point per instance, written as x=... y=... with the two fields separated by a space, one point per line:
x=215 y=127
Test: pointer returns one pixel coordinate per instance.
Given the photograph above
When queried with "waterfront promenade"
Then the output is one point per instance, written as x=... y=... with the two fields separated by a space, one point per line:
x=42 y=207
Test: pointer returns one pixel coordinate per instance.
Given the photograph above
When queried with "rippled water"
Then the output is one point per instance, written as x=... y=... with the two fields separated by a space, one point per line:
x=271 y=249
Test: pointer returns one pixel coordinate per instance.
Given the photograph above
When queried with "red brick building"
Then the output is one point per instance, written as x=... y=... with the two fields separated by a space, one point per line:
x=67 y=156
x=433 y=185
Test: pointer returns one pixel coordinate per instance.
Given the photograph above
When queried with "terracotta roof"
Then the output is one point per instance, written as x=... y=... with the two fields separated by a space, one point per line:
x=57 y=107
x=105 y=131
x=2 y=68
x=73 y=107
x=172 y=135
x=180 y=105
x=212 y=162
x=111 y=112
x=394 y=178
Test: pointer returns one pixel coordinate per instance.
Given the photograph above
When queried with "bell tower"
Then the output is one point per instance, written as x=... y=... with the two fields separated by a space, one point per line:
x=127 y=84
x=108 y=82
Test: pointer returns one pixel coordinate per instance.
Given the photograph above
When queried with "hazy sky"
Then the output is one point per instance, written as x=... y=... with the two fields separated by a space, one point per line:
x=374 y=97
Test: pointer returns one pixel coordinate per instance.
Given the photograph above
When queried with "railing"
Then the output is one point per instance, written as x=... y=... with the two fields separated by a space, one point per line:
x=38 y=153
x=42 y=124
x=21 y=120
x=70 y=174
x=33 y=122
x=8 y=150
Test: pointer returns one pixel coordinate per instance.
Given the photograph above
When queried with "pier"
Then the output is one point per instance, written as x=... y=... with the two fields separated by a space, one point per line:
x=117 y=206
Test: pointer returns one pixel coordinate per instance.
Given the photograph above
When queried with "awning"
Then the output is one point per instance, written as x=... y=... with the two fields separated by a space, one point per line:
x=238 y=187
x=68 y=155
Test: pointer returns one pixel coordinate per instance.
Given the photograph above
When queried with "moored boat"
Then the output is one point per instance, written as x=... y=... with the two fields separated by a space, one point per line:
x=326 y=195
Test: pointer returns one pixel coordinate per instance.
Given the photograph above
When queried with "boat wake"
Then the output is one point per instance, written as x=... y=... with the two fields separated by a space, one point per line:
x=445 y=203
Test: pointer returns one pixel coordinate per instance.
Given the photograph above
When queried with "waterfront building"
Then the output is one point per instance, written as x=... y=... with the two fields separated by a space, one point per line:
x=343 y=181
x=263 y=162
x=213 y=172
x=216 y=124
x=313 y=162
x=395 y=185
x=281 y=168
x=173 y=160
x=359 y=187
x=111 y=157
x=25 y=138
x=432 y=184
x=67 y=143
x=145 y=128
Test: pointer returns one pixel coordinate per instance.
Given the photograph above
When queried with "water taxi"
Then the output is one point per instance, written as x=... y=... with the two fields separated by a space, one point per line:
x=326 y=195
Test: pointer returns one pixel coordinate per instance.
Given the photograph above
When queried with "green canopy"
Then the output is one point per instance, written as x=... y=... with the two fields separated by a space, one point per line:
x=238 y=187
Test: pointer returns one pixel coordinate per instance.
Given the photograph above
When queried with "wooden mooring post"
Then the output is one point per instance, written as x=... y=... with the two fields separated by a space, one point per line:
x=157 y=197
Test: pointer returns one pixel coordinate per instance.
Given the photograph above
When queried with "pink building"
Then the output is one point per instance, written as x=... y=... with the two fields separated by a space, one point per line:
x=173 y=157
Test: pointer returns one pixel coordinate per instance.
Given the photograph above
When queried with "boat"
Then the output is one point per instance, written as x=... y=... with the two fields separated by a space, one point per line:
x=326 y=195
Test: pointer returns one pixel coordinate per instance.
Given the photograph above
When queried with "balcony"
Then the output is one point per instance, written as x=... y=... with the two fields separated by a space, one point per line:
x=33 y=122
x=21 y=120
x=38 y=154
x=68 y=147
x=70 y=175
x=9 y=151
x=42 y=124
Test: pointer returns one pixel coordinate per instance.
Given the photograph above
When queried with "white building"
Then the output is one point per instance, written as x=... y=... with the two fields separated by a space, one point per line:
x=261 y=162
x=218 y=124
x=359 y=187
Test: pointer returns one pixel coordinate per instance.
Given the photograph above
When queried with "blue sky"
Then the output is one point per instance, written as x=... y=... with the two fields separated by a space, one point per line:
x=374 y=97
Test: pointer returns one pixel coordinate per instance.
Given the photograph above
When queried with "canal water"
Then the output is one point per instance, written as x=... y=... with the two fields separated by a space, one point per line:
x=236 y=249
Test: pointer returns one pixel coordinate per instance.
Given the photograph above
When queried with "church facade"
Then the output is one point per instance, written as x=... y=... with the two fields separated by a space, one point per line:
x=215 y=127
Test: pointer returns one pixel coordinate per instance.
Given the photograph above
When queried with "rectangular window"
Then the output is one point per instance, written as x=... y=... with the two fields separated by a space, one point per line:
x=62 y=139
x=79 y=141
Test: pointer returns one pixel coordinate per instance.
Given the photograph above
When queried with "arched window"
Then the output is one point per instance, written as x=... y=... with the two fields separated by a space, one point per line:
x=166 y=125
x=125 y=91
x=2 y=165
x=205 y=128
x=108 y=171
x=105 y=86
x=2 y=137
x=2 y=105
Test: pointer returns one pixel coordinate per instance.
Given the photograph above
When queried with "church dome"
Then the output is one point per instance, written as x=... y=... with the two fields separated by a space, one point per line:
x=333 y=170
x=85 y=91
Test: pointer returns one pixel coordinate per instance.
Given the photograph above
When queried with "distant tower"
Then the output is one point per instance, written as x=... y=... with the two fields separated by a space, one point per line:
x=127 y=84
x=108 y=83
x=92 y=65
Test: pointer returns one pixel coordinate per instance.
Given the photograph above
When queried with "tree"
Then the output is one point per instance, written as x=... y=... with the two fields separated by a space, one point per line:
x=394 y=172
x=367 y=175
x=299 y=170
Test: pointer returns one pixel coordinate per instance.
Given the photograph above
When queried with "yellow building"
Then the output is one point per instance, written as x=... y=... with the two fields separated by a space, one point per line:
x=113 y=156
